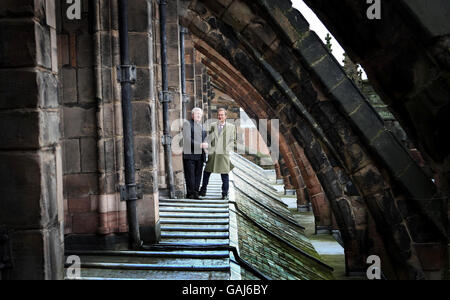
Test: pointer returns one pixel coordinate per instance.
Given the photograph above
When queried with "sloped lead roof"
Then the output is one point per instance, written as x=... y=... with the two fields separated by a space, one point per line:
x=268 y=236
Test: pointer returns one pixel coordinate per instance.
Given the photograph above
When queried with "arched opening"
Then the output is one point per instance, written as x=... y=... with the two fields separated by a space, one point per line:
x=62 y=134
x=248 y=36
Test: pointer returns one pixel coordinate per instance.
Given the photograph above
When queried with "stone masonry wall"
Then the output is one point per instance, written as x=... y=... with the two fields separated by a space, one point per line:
x=31 y=200
x=144 y=101
x=79 y=122
x=174 y=83
x=92 y=140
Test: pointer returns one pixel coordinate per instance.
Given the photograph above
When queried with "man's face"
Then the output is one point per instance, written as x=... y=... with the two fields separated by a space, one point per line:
x=222 y=116
x=197 y=116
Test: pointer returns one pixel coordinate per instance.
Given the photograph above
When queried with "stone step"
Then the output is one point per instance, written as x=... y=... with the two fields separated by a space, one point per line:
x=150 y=261
x=193 y=221
x=193 y=201
x=212 y=197
x=154 y=267
x=194 y=215
x=214 y=194
x=208 y=254
x=194 y=235
x=193 y=210
x=199 y=241
x=187 y=205
x=194 y=243
x=99 y=274
x=197 y=228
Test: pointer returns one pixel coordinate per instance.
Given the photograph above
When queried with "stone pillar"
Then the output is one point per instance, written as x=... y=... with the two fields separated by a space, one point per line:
x=199 y=71
x=209 y=97
x=93 y=131
x=92 y=135
x=320 y=205
x=144 y=100
x=175 y=107
x=285 y=174
x=278 y=170
x=205 y=81
x=31 y=205
x=79 y=130
x=295 y=176
x=190 y=53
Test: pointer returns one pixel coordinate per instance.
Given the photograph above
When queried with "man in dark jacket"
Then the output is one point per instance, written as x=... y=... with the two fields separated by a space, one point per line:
x=194 y=155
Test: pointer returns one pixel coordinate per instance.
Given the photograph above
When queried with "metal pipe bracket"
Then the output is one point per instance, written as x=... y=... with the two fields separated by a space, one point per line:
x=127 y=73
x=131 y=192
x=186 y=98
x=165 y=96
x=167 y=139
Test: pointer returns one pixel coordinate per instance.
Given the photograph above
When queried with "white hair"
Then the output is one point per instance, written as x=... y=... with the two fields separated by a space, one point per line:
x=197 y=109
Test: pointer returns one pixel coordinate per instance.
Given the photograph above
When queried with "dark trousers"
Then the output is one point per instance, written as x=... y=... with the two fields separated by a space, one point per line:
x=193 y=175
x=225 y=183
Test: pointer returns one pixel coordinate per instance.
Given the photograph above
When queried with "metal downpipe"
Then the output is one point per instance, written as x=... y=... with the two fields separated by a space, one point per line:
x=128 y=138
x=165 y=99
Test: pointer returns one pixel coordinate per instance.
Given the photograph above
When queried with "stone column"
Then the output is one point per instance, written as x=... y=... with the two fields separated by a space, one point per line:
x=144 y=100
x=190 y=54
x=320 y=205
x=92 y=135
x=79 y=131
x=93 y=131
x=278 y=170
x=199 y=71
x=31 y=205
x=211 y=96
x=175 y=107
x=205 y=82
x=291 y=164
x=285 y=174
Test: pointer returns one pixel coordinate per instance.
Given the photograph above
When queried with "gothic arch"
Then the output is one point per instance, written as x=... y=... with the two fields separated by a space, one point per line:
x=286 y=64
x=236 y=85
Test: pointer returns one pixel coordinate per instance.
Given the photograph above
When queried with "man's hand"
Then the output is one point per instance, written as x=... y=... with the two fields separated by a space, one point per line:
x=204 y=146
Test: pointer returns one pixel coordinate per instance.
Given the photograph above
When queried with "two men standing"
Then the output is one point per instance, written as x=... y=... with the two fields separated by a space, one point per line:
x=220 y=141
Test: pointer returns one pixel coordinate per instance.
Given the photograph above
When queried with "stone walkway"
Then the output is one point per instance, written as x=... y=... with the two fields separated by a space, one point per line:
x=196 y=236
x=189 y=229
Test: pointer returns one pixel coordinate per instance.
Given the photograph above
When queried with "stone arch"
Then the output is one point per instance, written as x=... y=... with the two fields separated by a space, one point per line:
x=409 y=69
x=241 y=94
x=286 y=66
x=334 y=183
x=230 y=80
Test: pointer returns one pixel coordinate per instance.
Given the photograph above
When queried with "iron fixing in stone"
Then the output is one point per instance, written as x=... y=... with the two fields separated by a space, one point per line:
x=127 y=73
x=165 y=96
x=186 y=98
x=167 y=139
x=131 y=192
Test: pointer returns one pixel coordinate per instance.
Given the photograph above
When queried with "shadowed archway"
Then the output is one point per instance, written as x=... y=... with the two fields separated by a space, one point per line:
x=342 y=135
